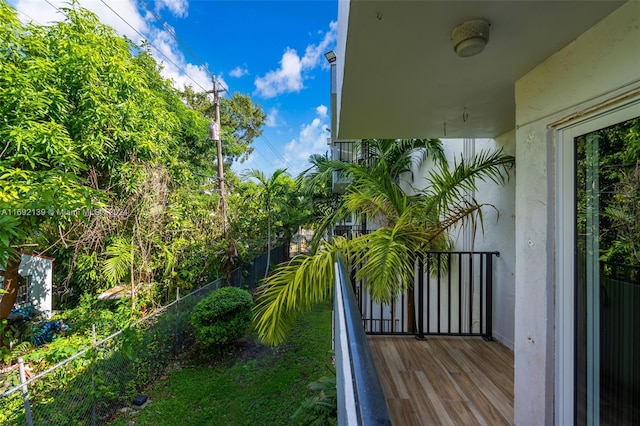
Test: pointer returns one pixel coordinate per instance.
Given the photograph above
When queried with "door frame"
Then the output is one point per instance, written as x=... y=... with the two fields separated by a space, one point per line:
x=563 y=135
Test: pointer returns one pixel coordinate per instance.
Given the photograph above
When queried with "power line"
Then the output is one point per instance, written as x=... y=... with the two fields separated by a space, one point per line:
x=173 y=34
x=273 y=149
x=29 y=17
x=265 y=158
x=152 y=45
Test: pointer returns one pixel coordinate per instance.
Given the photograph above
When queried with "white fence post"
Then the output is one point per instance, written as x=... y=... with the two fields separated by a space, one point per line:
x=25 y=394
x=94 y=341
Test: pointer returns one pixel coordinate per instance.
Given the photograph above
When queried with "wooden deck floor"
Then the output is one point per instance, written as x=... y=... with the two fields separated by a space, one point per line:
x=445 y=380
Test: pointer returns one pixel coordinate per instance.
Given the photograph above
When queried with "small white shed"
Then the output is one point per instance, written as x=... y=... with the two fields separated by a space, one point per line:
x=36 y=286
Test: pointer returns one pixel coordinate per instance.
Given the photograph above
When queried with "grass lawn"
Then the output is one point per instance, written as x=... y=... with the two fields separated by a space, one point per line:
x=255 y=385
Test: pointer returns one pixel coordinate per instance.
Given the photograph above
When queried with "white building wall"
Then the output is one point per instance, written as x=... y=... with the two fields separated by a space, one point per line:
x=598 y=66
x=341 y=47
x=499 y=235
x=499 y=227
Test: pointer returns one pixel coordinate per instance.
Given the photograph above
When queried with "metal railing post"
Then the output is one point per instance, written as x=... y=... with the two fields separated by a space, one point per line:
x=420 y=301
x=489 y=298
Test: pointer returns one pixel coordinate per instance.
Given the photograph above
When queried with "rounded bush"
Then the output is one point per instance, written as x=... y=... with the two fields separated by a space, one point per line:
x=222 y=317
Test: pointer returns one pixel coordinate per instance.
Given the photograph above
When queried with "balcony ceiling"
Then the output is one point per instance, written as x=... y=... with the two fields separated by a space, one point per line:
x=402 y=79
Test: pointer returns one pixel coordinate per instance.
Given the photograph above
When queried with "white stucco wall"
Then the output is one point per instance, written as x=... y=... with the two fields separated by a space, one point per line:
x=341 y=47
x=40 y=291
x=499 y=228
x=598 y=66
x=499 y=234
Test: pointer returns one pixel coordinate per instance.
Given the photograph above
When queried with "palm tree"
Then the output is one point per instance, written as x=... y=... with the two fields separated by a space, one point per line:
x=269 y=189
x=409 y=226
x=390 y=157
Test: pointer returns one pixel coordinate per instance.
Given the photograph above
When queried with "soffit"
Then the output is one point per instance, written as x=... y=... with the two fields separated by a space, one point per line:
x=401 y=77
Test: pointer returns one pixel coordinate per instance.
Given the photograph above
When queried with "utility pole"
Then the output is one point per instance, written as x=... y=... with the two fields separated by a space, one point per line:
x=215 y=134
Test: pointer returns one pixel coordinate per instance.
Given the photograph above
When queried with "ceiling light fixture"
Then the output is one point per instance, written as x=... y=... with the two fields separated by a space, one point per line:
x=470 y=38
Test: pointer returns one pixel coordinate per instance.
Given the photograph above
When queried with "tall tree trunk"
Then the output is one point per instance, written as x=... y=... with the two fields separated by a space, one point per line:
x=266 y=270
x=10 y=286
x=411 y=309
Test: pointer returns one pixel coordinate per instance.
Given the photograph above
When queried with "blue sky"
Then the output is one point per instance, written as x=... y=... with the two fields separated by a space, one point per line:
x=271 y=50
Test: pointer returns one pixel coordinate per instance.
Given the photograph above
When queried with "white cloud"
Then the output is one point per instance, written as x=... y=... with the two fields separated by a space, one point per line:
x=284 y=80
x=322 y=111
x=140 y=25
x=177 y=7
x=238 y=72
x=175 y=67
x=44 y=13
x=312 y=139
x=314 y=53
x=273 y=118
x=289 y=77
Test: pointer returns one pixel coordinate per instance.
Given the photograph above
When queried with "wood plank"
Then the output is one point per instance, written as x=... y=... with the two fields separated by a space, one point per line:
x=445 y=380
x=483 y=409
x=402 y=412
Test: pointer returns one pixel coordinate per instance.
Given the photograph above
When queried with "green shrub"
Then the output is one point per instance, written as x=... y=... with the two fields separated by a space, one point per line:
x=321 y=409
x=222 y=317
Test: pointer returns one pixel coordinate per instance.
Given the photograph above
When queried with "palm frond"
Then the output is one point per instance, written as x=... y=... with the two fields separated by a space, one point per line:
x=294 y=288
x=447 y=188
x=120 y=257
x=256 y=174
x=377 y=183
x=403 y=154
x=386 y=258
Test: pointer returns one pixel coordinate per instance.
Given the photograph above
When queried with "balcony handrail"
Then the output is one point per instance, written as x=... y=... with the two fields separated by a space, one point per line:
x=360 y=397
x=452 y=295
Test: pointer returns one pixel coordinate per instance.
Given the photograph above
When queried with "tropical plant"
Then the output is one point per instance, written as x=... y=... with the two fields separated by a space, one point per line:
x=241 y=122
x=374 y=156
x=322 y=408
x=269 y=191
x=316 y=185
x=408 y=226
x=97 y=148
x=222 y=317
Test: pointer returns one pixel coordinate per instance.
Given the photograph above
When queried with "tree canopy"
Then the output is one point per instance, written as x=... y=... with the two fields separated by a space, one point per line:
x=89 y=132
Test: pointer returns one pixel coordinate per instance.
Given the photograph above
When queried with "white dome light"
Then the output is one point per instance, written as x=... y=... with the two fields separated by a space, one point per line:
x=470 y=38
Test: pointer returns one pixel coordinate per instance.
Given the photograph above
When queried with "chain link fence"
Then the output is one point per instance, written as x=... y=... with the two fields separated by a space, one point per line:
x=87 y=388
x=248 y=276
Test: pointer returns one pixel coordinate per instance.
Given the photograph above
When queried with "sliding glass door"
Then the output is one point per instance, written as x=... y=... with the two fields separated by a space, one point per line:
x=607 y=275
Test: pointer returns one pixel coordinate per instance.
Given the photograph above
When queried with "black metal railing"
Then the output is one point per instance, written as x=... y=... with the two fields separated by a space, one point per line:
x=360 y=397
x=452 y=295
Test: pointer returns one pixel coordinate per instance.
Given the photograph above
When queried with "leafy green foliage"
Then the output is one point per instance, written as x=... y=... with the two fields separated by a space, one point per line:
x=222 y=317
x=103 y=164
x=322 y=408
x=408 y=226
x=618 y=147
x=8 y=352
x=241 y=123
